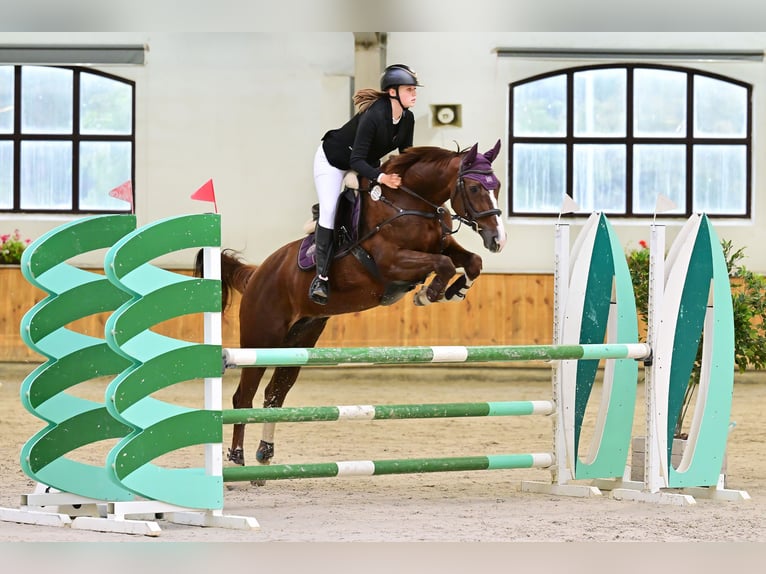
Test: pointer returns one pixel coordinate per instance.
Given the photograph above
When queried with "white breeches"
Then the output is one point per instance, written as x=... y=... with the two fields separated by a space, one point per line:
x=328 y=181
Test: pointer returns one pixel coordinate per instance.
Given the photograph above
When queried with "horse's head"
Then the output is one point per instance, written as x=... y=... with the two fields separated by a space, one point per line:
x=475 y=199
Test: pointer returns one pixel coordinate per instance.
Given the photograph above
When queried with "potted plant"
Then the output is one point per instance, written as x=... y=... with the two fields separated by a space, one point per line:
x=11 y=247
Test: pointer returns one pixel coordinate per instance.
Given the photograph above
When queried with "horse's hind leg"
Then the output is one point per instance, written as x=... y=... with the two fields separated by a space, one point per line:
x=274 y=395
x=243 y=399
x=303 y=334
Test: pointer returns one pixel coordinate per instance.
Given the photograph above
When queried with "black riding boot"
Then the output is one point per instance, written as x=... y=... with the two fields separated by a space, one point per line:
x=319 y=292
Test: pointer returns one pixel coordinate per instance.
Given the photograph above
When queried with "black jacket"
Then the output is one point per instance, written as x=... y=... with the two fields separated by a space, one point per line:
x=362 y=141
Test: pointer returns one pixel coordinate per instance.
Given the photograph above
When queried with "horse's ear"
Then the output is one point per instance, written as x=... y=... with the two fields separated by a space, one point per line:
x=470 y=155
x=493 y=153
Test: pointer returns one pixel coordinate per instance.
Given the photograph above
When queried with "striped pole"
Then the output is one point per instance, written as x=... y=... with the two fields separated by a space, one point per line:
x=380 y=467
x=301 y=356
x=387 y=412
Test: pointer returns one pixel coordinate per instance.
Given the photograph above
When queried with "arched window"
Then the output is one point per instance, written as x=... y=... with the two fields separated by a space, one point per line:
x=613 y=137
x=67 y=138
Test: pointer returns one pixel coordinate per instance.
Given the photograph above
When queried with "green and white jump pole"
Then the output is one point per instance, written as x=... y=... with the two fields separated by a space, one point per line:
x=324 y=356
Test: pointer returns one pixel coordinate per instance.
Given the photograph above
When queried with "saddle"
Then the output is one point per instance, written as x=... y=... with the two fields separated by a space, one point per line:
x=347 y=216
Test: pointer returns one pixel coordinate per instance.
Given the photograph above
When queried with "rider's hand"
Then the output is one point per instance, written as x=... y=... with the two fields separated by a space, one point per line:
x=392 y=180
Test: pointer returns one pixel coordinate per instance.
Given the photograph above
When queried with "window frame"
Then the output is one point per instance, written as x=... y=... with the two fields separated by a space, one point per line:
x=569 y=140
x=75 y=138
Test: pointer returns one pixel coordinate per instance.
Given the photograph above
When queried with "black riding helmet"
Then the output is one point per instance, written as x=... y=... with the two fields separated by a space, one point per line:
x=397 y=75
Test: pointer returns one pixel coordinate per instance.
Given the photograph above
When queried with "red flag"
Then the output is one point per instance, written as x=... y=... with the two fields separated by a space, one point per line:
x=124 y=192
x=206 y=193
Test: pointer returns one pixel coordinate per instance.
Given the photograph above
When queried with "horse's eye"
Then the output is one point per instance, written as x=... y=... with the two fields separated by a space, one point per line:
x=473 y=188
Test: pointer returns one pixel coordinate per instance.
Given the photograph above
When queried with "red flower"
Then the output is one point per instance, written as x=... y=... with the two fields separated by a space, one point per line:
x=643 y=244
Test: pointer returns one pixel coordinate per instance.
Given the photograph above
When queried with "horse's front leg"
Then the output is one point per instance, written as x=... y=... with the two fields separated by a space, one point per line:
x=413 y=266
x=471 y=265
x=440 y=289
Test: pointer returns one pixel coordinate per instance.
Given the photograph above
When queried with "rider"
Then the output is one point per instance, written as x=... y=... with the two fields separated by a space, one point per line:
x=382 y=124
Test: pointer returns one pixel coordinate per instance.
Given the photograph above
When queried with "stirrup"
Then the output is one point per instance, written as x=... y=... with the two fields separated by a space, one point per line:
x=319 y=292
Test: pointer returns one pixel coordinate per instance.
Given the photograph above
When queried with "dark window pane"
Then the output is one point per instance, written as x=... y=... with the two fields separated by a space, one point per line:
x=46 y=100
x=599 y=177
x=719 y=179
x=660 y=103
x=6 y=99
x=6 y=175
x=106 y=106
x=720 y=108
x=540 y=108
x=539 y=177
x=46 y=175
x=600 y=103
x=658 y=169
x=103 y=166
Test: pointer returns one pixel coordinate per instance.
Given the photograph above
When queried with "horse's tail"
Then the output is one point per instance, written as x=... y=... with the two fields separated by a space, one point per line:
x=235 y=273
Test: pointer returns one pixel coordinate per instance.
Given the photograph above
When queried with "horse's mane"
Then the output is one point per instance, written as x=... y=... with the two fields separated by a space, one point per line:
x=423 y=154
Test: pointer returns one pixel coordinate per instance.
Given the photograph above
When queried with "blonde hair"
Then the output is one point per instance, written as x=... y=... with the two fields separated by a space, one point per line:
x=364 y=98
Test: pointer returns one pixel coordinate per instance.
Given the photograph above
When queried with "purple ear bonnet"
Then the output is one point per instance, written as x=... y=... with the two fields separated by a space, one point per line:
x=480 y=169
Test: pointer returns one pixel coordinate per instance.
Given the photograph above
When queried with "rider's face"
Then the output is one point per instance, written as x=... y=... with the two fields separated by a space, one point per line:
x=408 y=95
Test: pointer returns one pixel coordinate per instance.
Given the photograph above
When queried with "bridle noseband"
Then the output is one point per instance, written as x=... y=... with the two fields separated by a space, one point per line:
x=471 y=214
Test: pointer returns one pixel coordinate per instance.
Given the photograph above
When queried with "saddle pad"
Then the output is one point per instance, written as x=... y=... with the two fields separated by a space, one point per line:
x=347 y=220
x=306 y=253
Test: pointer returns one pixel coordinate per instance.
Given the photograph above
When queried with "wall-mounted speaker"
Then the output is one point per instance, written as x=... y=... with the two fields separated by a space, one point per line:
x=443 y=115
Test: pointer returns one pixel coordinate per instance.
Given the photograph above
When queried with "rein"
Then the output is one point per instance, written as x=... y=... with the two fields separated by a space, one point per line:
x=438 y=210
x=437 y=213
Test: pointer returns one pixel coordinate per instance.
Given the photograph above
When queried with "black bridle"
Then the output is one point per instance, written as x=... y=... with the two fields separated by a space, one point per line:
x=439 y=211
x=471 y=214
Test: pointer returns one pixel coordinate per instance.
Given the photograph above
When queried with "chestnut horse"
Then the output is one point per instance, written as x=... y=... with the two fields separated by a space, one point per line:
x=404 y=236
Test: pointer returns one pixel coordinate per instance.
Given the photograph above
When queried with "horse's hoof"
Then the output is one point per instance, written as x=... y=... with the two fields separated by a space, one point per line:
x=263 y=455
x=456 y=297
x=265 y=452
x=237 y=456
x=457 y=290
x=421 y=298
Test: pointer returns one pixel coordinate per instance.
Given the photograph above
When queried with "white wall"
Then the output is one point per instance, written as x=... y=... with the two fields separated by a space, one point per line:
x=248 y=109
x=462 y=69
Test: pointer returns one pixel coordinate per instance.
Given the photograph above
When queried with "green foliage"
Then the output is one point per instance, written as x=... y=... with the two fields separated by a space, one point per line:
x=638 y=263
x=749 y=302
x=12 y=246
